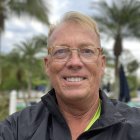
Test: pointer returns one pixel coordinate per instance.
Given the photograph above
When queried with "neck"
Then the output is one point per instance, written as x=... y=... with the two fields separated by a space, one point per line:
x=78 y=115
x=78 y=110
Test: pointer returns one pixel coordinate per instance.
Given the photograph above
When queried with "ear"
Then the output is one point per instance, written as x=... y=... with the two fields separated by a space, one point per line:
x=46 y=61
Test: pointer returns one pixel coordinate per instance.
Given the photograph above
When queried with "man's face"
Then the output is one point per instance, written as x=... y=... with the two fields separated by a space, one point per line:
x=74 y=79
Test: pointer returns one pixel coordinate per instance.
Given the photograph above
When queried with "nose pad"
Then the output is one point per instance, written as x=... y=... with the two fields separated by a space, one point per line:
x=75 y=55
x=74 y=61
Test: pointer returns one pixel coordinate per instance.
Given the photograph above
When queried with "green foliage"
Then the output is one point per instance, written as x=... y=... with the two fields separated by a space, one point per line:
x=132 y=66
x=3 y=106
x=33 y=8
x=132 y=81
x=38 y=9
x=23 y=67
x=133 y=94
x=118 y=17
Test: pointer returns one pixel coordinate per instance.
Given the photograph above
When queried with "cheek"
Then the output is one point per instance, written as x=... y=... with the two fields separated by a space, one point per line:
x=54 y=69
x=93 y=69
x=95 y=73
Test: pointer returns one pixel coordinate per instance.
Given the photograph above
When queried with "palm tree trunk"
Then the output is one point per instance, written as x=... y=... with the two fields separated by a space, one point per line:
x=0 y=59
x=117 y=52
x=116 y=83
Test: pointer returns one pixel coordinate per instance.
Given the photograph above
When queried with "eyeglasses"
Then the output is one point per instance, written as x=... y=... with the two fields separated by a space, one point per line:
x=64 y=53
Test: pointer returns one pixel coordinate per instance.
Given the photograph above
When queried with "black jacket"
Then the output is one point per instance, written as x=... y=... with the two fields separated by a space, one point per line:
x=45 y=122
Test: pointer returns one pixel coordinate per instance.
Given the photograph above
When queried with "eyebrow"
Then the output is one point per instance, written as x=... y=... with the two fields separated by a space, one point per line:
x=87 y=44
x=80 y=45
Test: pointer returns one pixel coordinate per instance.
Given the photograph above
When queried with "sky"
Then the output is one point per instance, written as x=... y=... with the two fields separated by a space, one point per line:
x=20 y=29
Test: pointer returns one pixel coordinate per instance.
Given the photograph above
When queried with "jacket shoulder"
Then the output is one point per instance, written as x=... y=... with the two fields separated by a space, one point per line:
x=130 y=113
x=23 y=122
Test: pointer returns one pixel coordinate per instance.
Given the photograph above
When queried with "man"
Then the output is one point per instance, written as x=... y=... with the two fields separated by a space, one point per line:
x=76 y=108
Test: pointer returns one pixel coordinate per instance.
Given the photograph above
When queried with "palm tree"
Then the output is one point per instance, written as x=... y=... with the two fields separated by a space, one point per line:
x=16 y=62
x=23 y=65
x=34 y=8
x=31 y=51
x=118 y=20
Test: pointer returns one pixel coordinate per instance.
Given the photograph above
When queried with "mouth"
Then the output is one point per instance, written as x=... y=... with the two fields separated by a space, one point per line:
x=74 y=79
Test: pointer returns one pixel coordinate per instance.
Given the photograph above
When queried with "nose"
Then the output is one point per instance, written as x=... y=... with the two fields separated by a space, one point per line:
x=74 y=62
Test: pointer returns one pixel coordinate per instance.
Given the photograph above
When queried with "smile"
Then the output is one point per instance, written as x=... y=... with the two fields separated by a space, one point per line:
x=74 y=79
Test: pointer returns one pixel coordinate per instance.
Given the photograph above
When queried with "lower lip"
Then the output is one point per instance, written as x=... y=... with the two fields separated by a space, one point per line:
x=75 y=83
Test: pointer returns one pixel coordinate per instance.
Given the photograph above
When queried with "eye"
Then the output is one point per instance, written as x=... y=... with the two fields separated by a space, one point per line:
x=60 y=52
x=87 y=51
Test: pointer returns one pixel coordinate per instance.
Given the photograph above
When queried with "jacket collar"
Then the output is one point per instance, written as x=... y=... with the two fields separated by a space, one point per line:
x=109 y=113
x=50 y=102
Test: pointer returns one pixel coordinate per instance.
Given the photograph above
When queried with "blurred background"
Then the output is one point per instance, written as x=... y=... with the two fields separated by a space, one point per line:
x=23 y=42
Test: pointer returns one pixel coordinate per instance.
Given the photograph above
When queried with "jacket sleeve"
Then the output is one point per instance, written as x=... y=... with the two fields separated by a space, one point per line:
x=8 y=128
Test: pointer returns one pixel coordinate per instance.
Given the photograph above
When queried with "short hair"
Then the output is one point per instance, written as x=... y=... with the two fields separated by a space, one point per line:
x=77 y=17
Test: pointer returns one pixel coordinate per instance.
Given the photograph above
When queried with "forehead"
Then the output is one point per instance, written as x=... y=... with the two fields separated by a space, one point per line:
x=69 y=32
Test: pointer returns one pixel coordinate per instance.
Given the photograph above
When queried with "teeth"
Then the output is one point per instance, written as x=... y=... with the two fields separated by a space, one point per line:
x=74 y=79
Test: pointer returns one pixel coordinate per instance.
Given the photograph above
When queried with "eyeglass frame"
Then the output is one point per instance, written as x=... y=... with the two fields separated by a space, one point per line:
x=50 y=48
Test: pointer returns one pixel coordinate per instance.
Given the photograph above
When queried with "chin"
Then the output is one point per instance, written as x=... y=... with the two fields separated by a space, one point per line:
x=75 y=94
